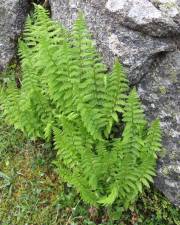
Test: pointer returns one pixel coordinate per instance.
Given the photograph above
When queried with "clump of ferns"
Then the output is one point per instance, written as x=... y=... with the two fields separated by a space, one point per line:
x=66 y=90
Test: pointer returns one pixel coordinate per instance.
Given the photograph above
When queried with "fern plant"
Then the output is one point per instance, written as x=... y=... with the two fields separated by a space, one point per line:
x=66 y=90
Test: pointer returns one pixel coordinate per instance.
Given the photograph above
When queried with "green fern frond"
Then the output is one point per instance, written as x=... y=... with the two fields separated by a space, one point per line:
x=153 y=140
x=111 y=197
x=116 y=94
x=90 y=74
x=134 y=120
x=9 y=100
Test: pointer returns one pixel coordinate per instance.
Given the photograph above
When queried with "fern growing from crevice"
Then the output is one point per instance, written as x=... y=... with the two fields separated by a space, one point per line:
x=66 y=90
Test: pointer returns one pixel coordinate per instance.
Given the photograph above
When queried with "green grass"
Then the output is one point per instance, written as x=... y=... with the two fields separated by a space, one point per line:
x=32 y=194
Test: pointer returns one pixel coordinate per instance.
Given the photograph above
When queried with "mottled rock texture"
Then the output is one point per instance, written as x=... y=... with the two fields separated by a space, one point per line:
x=12 y=17
x=154 y=17
x=159 y=91
x=145 y=35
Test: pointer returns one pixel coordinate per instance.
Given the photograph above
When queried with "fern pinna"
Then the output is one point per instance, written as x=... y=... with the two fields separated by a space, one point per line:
x=66 y=89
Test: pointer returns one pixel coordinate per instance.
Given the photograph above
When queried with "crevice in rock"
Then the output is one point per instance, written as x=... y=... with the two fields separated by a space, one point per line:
x=156 y=58
x=177 y=41
x=155 y=4
x=44 y=3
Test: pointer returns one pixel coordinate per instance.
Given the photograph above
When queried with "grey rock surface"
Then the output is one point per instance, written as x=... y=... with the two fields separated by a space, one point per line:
x=152 y=17
x=160 y=93
x=146 y=40
x=12 y=17
x=155 y=17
